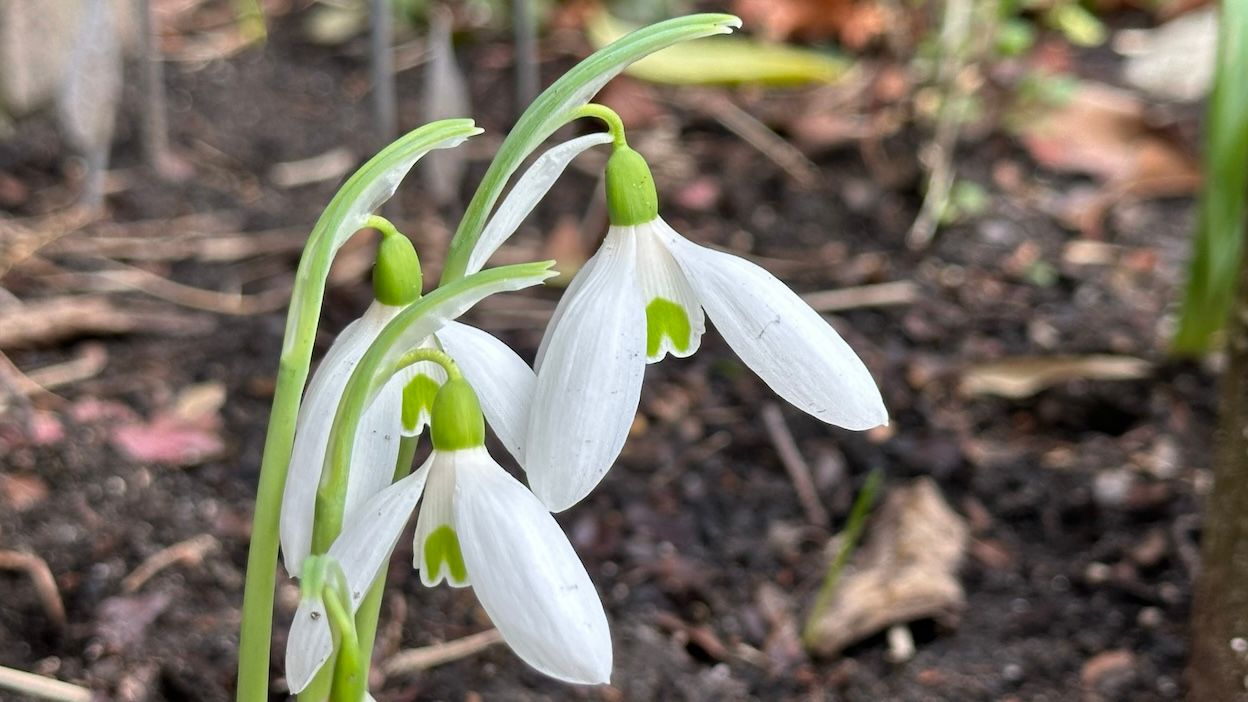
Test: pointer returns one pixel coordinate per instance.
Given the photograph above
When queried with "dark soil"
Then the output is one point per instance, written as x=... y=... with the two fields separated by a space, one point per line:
x=1081 y=499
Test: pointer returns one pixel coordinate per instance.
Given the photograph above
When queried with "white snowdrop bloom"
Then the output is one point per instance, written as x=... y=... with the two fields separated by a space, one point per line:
x=505 y=379
x=645 y=294
x=476 y=526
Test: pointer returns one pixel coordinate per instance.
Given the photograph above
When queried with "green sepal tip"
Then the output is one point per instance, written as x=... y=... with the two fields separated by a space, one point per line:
x=631 y=197
x=456 y=421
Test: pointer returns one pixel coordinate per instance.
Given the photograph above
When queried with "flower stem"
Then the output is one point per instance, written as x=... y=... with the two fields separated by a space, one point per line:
x=615 y=125
x=350 y=676
x=432 y=356
x=370 y=607
x=382 y=225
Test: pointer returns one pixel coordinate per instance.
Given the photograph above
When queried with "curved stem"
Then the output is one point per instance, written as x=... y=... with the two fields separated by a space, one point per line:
x=382 y=225
x=433 y=356
x=615 y=125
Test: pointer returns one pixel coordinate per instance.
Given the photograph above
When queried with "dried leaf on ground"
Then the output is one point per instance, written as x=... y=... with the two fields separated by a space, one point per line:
x=123 y=621
x=854 y=23
x=1112 y=141
x=1025 y=376
x=47 y=321
x=907 y=570
x=1174 y=61
x=186 y=434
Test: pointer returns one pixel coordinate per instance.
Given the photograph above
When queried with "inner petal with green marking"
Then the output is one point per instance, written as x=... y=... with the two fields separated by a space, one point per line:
x=442 y=550
x=418 y=397
x=667 y=319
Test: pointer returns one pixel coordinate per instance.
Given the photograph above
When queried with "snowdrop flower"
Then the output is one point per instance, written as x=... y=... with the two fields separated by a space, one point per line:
x=645 y=294
x=505 y=379
x=476 y=526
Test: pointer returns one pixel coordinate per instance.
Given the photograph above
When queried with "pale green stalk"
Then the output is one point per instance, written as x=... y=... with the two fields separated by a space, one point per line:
x=371 y=185
x=383 y=358
x=552 y=109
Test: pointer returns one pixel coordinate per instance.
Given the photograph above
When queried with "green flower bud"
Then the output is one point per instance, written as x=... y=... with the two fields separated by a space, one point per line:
x=631 y=198
x=456 y=422
x=396 y=275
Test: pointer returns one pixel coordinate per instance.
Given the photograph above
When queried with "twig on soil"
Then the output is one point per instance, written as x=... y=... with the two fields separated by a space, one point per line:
x=901 y=292
x=41 y=381
x=795 y=464
x=191 y=552
x=736 y=120
x=41 y=578
x=24 y=683
x=55 y=319
x=418 y=659
x=127 y=277
x=20 y=241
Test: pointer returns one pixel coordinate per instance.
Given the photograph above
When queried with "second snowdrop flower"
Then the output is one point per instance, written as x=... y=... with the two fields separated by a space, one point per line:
x=645 y=294
x=476 y=526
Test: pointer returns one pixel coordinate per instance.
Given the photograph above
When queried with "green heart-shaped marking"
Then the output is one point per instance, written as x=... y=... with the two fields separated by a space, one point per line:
x=666 y=318
x=417 y=397
x=442 y=547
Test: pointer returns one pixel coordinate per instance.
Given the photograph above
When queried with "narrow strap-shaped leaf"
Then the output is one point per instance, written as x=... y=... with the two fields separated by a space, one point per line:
x=551 y=110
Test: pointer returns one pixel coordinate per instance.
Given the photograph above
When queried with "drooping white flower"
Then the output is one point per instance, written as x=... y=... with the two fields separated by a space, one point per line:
x=476 y=526
x=645 y=294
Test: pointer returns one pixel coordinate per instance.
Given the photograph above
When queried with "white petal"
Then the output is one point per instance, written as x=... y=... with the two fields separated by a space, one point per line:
x=663 y=284
x=503 y=381
x=569 y=294
x=363 y=546
x=794 y=351
x=436 y=514
x=376 y=449
x=367 y=540
x=308 y=645
x=316 y=414
x=589 y=381
x=527 y=576
x=525 y=194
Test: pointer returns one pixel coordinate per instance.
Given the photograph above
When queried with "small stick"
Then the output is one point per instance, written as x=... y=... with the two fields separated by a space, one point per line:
x=526 y=53
x=41 y=577
x=736 y=120
x=795 y=464
x=191 y=552
x=901 y=292
x=24 y=683
x=384 y=110
x=417 y=659
x=155 y=125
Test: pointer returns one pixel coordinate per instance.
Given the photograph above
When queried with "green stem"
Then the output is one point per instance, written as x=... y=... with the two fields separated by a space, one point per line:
x=367 y=615
x=350 y=677
x=551 y=109
x=382 y=225
x=433 y=356
x=335 y=225
x=615 y=125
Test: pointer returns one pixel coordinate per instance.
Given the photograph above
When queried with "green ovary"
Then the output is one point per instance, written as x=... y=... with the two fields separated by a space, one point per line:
x=666 y=318
x=418 y=396
x=442 y=546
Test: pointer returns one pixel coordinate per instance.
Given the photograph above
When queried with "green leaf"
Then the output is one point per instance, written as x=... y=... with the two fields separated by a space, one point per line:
x=551 y=110
x=724 y=61
x=1218 y=248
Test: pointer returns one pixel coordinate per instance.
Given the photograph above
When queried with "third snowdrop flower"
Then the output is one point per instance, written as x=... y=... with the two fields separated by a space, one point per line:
x=479 y=527
x=645 y=294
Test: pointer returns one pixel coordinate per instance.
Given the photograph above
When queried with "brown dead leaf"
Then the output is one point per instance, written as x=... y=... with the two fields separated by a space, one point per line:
x=1101 y=131
x=186 y=434
x=21 y=492
x=856 y=24
x=123 y=621
x=906 y=570
x=1024 y=376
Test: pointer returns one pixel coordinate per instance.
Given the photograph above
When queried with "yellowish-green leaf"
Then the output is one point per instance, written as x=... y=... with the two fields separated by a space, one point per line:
x=722 y=60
